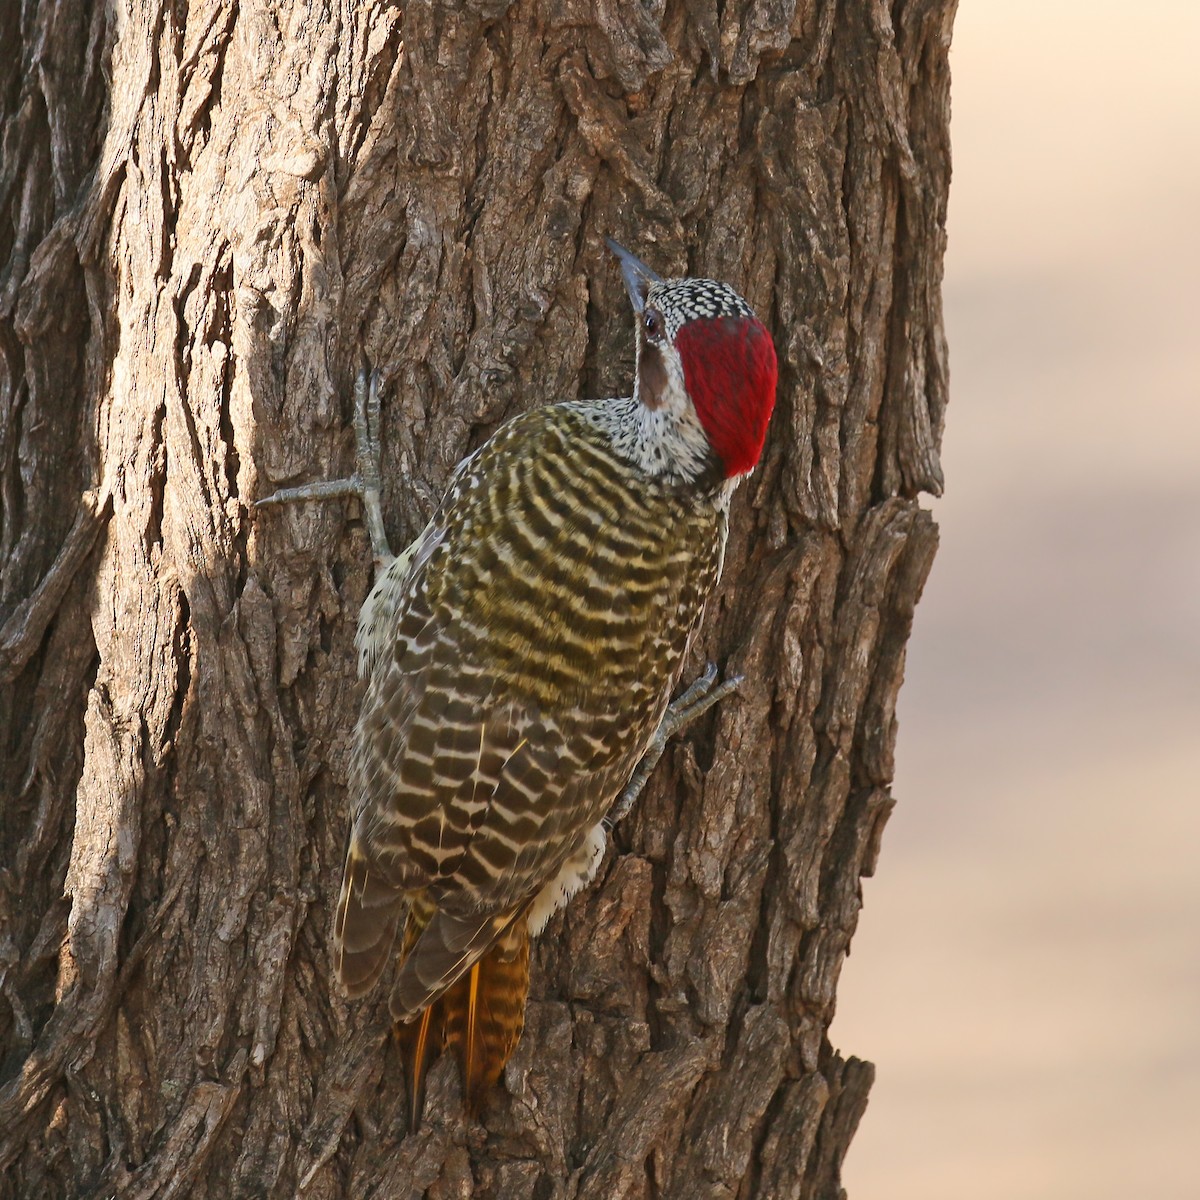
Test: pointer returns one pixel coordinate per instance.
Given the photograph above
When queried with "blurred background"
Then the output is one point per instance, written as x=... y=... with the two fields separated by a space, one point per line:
x=1026 y=973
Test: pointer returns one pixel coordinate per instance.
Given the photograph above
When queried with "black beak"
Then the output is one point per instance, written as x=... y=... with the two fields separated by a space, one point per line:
x=638 y=276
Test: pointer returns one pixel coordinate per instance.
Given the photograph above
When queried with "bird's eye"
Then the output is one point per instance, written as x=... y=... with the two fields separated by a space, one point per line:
x=651 y=323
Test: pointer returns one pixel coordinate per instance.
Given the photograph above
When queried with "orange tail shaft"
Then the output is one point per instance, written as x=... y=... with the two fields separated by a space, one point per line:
x=485 y=1013
x=418 y=1039
x=479 y=1018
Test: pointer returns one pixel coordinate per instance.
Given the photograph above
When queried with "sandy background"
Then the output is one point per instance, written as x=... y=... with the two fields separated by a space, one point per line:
x=1026 y=974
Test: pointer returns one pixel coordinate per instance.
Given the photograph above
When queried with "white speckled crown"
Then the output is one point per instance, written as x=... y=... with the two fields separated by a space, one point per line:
x=683 y=300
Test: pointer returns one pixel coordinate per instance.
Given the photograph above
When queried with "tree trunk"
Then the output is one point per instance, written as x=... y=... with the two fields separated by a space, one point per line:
x=210 y=213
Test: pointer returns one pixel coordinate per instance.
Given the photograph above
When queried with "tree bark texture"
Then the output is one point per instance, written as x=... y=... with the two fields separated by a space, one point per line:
x=210 y=214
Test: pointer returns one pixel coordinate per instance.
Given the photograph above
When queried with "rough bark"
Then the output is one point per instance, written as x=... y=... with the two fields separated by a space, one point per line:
x=210 y=212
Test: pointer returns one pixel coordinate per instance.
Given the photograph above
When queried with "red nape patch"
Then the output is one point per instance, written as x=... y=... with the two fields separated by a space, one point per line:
x=730 y=370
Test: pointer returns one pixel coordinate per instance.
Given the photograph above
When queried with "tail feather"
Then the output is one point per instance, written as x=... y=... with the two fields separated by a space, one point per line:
x=484 y=1013
x=479 y=1017
x=446 y=949
x=420 y=1039
x=417 y=1045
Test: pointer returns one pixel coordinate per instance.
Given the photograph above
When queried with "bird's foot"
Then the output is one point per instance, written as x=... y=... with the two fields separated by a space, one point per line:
x=694 y=702
x=364 y=483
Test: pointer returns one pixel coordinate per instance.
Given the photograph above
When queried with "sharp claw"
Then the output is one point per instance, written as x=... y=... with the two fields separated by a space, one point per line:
x=365 y=482
x=367 y=410
x=326 y=489
x=693 y=702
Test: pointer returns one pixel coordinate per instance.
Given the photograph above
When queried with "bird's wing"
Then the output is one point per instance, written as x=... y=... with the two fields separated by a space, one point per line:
x=470 y=798
x=397 y=579
x=519 y=675
x=379 y=609
x=368 y=915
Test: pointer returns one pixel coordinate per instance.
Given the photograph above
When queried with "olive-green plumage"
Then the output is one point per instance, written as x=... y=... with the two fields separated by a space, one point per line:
x=518 y=678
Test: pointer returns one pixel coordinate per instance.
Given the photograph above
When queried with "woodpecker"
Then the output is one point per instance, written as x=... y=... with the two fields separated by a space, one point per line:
x=519 y=661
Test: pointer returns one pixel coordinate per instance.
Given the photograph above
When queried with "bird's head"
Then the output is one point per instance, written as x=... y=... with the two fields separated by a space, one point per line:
x=705 y=364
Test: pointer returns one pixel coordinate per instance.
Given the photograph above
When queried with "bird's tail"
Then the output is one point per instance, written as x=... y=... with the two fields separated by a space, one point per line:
x=480 y=1017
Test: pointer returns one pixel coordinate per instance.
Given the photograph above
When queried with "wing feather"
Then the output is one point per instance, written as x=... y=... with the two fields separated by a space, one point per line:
x=447 y=948
x=507 y=700
x=368 y=915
